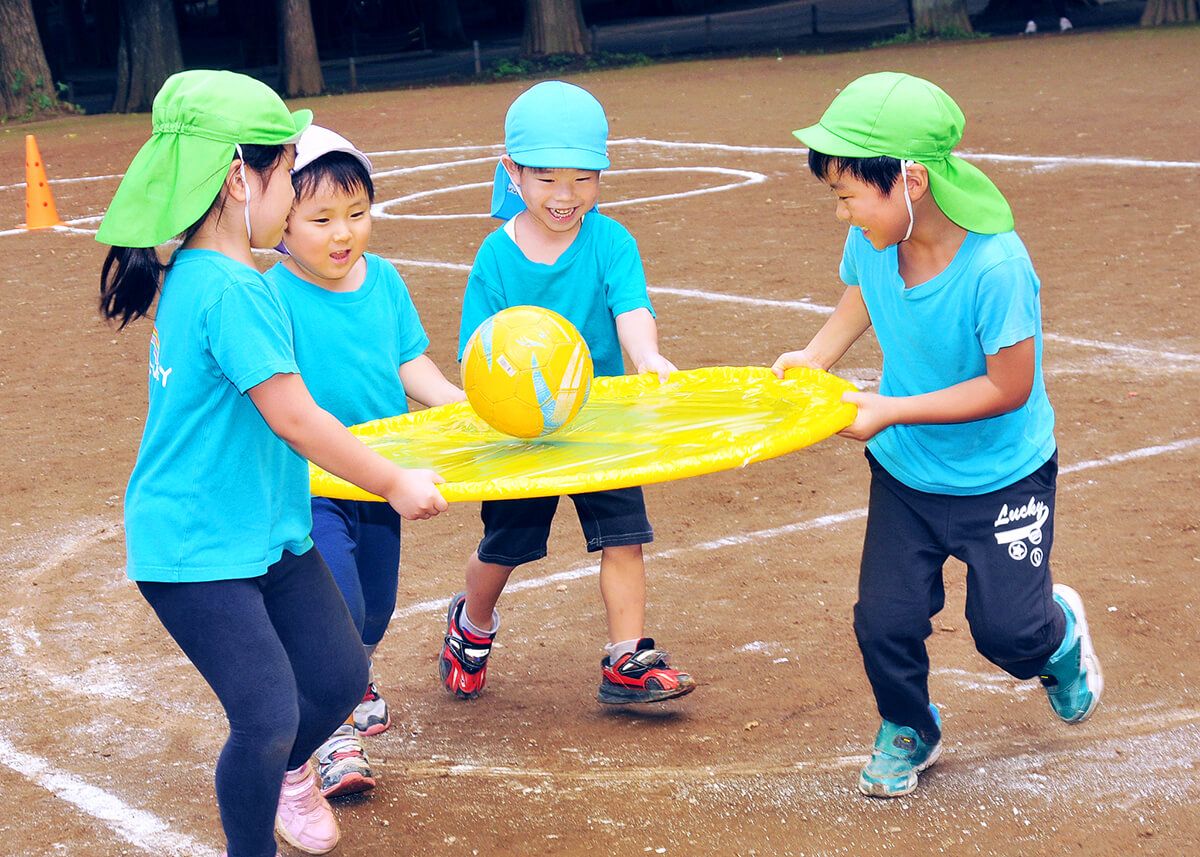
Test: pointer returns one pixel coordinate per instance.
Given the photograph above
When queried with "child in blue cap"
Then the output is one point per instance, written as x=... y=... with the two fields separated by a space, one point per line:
x=960 y=436
x=556 y=250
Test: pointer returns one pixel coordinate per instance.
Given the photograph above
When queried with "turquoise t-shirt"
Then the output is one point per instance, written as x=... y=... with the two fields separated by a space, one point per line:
x=599 y=277
x=215 y=494
x=939 y=333
x=349 y=345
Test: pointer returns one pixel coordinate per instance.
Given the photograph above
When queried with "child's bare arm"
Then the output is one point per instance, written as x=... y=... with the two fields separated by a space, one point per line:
x=424 y=382
x=848 y=322
x=1005 y=387
x=290 y=411
x=638 y=334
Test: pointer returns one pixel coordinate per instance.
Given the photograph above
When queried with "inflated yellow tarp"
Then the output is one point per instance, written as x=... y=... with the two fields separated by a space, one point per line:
x=633 y=430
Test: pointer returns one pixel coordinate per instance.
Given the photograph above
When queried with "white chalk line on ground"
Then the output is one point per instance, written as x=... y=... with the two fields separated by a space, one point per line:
x=139 y=828
x=150 y=833
x=438 y=605
x=497 y=149
x=1130 y=726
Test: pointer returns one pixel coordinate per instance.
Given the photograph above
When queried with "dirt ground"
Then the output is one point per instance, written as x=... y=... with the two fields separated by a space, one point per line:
x=107 y=735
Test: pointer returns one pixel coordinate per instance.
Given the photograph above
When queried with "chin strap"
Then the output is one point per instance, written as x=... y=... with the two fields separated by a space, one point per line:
x=246 y=186
x=904 y=165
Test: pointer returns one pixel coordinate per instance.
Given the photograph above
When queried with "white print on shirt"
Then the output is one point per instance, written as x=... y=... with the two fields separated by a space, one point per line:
x=1016 y=537
x=157 y=372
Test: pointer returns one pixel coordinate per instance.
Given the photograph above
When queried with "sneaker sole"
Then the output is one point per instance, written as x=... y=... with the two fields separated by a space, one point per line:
x=1087 y=654
x=350 y=784
x=874 y=789
x=283 y=834
x=375 y=728
x=616 y=695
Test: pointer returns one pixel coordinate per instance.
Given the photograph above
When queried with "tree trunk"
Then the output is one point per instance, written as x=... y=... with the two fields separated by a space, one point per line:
x=148 y=52
x=26 y=89
x=1170 y=12
x=940 y=18
x=443 y=23
x=299 y=63
x=555 y=27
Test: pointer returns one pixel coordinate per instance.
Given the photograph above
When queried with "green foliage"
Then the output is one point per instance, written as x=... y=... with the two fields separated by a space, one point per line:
x=561 y=63
x=910 y=36
x=39 y=98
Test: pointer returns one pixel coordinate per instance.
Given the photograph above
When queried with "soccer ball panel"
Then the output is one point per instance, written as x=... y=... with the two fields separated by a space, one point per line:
x=526 y=371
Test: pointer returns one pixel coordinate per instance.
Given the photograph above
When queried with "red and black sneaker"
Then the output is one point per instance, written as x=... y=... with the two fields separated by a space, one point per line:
x=463 y=663
x=642 y=676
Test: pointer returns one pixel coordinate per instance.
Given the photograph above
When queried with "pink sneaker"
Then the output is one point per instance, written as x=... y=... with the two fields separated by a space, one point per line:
x=304 y=819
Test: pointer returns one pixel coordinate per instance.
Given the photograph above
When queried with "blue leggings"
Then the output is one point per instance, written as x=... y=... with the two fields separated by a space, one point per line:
x=283 y=658
x=361 y=543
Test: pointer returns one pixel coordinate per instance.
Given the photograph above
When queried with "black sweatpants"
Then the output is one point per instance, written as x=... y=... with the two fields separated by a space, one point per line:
x=1004 y=537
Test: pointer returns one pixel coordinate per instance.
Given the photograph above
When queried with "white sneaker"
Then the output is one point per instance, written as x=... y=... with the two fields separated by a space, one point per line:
x=371 y=716
x=342 y=764
x=1031 y=28
x=1065 y=24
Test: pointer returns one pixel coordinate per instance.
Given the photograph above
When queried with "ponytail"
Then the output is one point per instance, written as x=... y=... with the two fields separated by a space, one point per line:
x=132 y=276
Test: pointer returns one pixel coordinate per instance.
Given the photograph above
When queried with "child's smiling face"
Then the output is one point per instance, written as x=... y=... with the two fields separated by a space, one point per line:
x=327 y=233
x=557 y=199
x=883 y=217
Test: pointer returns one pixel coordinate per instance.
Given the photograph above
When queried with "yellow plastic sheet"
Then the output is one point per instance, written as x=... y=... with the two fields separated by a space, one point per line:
x=633 y=430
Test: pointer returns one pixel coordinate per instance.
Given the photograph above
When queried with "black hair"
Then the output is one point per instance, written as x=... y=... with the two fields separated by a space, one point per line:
x=132 y=276
x=879 y=172
x=341 y=170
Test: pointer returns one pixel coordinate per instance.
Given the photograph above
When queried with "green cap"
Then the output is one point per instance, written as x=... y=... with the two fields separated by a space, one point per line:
x=905 y=117
x=199 y=118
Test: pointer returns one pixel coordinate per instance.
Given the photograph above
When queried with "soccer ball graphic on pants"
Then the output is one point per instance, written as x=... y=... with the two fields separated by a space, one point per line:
x=526 y=371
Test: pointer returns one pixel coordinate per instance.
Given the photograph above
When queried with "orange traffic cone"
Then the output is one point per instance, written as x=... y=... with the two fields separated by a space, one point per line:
x=40 y=212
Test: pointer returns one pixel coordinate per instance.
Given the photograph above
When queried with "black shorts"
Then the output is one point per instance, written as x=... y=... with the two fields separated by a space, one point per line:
x=516 y=531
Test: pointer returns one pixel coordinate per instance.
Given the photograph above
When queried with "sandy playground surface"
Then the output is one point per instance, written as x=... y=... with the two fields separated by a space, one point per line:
x=107 y=736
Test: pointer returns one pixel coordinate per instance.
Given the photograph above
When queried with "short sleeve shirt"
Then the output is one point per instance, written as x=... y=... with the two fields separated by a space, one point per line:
x=599 y=277
x=939 y=333
x=350 y=345
x=214 y=494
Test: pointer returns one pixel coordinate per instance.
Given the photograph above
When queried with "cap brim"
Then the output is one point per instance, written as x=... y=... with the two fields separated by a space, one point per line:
x=968 y=197
x=302 y=118
x=564 y=159
x=820 y=139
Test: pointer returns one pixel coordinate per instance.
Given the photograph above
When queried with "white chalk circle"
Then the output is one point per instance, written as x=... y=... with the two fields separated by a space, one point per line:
x=741 y=178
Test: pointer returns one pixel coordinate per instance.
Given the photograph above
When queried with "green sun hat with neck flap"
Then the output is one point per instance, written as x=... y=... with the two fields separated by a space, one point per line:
x=907 y=118
x=199 y=118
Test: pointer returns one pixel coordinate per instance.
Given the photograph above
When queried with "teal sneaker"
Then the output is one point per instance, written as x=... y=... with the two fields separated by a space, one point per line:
x=1072 y=676
x=899 y=755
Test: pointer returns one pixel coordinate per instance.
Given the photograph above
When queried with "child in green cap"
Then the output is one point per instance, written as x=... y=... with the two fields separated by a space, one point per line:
x=361 y=350
x=556 y=250
x=960 y=437
x=217 y=514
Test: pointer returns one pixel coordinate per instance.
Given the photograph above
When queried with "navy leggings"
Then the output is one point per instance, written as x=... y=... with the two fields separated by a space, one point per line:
x=285 y=661
x=361 y=542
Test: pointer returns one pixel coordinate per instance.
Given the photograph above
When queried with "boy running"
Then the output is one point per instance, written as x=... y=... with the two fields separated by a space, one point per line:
x=557 y=251
x=960 y=437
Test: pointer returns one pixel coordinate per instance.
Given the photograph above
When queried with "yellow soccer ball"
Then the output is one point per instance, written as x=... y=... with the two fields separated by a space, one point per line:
x=526 y=371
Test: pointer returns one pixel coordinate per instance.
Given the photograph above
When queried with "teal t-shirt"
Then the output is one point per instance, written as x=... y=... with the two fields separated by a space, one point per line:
x=215 y=494
x=599 y=277
x=939 y=333
x=350 y=345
